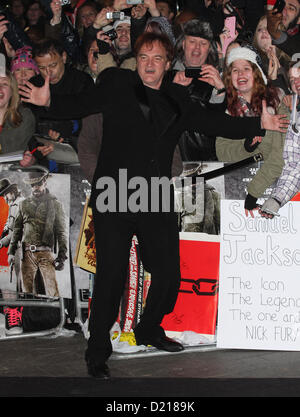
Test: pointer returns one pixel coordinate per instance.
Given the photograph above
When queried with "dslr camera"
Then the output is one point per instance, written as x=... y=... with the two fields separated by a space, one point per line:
x=112 y=34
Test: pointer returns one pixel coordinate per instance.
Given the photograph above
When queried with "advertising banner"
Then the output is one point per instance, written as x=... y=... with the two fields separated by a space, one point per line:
x=196 y=306
x=34 y=233
x=259 y=292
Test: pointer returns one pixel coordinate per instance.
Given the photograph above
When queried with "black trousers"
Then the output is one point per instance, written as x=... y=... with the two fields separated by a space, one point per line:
x=158 y=238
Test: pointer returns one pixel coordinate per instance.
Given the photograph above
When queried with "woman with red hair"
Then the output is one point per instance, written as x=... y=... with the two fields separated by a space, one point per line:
x=247 y=92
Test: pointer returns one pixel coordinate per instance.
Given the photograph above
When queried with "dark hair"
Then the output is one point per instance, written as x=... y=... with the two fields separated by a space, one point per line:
x=13 y=189
x=47 y=46
x=172 y=7
x=89 y=3
x=148 y=38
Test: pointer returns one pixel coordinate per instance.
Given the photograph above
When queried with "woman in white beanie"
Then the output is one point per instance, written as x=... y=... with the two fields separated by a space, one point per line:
x=247 y=91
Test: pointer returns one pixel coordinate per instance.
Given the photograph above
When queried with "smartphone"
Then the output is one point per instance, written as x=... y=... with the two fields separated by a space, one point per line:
x=193 y=72
x=135 y=1
x=279 y=6
x=230 y=23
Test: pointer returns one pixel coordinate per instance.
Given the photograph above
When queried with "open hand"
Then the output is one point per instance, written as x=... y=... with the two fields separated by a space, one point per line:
x=277 y=122
x=40 y=96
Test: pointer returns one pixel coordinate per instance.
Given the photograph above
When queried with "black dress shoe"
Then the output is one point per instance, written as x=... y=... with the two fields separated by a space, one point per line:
x=161 y=343
x=100 y=371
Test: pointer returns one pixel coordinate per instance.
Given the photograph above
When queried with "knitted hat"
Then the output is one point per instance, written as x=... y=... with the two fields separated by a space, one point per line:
x=126 y=19
x=198 y=28
x=23 y=59
x=248 y=55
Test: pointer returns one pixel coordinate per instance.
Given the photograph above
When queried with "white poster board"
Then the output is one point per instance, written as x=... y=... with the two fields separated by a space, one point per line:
x=259 y=299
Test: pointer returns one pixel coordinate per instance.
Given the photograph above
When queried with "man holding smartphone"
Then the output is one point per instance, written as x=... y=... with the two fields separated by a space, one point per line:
x=196 y=67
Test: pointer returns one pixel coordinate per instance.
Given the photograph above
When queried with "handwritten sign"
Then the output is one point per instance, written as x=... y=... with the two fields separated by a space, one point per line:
x=259 y=299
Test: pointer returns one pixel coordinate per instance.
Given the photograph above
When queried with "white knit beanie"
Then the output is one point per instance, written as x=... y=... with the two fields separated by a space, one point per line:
x=248 y=55
x=126 y=19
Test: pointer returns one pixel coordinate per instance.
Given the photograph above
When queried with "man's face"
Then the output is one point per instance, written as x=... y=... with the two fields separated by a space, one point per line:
x=152 y=63
x=23 y=74
x=52 y=64
x=290 y=12
x=195 y=51
x=92 y=61
x=123 y=40
x=39 y=188
x=17 y=8
x=9 y=198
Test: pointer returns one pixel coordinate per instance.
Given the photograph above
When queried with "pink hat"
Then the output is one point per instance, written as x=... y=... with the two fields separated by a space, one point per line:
x=23 y=59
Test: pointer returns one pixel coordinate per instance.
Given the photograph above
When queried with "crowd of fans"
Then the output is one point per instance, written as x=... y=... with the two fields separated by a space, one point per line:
x=74 y=41
x=242 y=70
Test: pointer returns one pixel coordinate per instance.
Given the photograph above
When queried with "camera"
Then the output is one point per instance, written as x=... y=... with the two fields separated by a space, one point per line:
x=115 y=15
x=65 y=2
x=112 y=34
x=279 y=6
x=135 y=1
x=193 y=72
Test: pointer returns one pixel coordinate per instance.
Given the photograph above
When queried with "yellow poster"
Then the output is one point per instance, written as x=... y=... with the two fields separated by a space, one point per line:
x=85 y=256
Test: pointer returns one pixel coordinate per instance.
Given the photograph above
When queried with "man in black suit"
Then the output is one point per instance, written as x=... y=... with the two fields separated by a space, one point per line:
x=143 y=117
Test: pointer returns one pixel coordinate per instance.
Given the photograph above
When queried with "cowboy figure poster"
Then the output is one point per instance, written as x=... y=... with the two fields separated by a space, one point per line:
x=34 y=239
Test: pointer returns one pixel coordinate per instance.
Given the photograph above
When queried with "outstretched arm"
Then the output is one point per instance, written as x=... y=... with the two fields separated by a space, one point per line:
x=72 y=106
x=221 y=124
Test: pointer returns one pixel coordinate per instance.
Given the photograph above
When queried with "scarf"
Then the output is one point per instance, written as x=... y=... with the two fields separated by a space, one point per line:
x=244 y=110
x=293 y=31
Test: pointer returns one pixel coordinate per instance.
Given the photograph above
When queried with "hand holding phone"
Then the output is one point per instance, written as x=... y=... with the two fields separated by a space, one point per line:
x=193 y=72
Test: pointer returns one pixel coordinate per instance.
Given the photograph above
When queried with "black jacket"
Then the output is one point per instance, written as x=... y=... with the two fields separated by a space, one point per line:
x=72 y=82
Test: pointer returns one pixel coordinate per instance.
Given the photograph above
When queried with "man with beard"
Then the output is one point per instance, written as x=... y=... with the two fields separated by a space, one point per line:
x=121 y=46
x=39 y=223
x=288 y=40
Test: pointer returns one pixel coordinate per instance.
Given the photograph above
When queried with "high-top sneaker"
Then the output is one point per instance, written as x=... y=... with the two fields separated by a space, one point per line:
x=13 y=320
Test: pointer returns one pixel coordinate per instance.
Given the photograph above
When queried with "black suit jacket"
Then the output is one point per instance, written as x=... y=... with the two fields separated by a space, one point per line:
x=129 y=139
